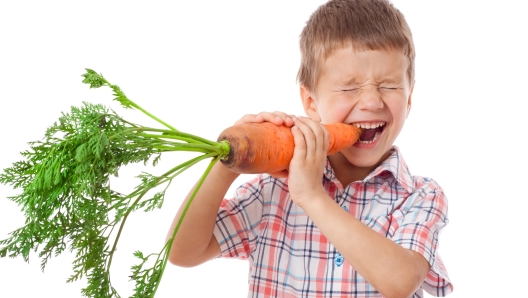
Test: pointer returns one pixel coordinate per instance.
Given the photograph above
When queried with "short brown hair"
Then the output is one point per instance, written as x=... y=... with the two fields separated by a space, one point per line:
x=364 y=24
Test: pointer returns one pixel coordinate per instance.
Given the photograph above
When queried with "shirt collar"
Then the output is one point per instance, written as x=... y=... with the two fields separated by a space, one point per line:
x=394 y=164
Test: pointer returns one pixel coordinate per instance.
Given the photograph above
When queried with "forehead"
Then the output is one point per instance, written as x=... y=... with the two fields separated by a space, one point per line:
x=347 y=64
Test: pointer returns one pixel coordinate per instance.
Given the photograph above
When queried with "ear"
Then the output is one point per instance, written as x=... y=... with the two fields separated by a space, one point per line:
x=309 y=104
x=409 y=99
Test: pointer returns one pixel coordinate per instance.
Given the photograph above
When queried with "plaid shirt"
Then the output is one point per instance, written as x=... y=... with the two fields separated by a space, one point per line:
x=290 y=257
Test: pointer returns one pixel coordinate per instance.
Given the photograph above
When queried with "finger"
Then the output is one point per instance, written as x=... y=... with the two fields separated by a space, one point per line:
x=269 y=117
x=287 y=120
x=321 y=135
x=326 y=144
x=308 y=135
x=299 y=150
x=318 y=137
x=250 y=118
x=277 y=118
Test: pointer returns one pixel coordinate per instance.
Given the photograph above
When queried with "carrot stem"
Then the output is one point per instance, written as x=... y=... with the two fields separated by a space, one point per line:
x=177 y=134
x=180 y=220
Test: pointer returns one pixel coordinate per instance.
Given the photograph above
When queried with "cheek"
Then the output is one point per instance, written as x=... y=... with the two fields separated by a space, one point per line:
x=336 y=110
x=335 y=114
x=398 y=110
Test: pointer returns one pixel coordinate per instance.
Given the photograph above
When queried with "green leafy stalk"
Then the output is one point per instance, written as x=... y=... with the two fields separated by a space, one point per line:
x=67 y=199
x=148 y=280
x=96 y=80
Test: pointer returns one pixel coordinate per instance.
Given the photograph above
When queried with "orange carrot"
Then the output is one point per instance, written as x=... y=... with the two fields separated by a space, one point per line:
x=268 y=148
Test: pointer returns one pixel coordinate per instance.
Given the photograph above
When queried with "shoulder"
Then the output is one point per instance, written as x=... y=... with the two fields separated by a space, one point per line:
x=425 y=184
x=427 y=195
x=419 y=187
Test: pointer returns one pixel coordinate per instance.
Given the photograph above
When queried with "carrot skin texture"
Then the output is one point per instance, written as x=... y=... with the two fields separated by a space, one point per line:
x=267 y=148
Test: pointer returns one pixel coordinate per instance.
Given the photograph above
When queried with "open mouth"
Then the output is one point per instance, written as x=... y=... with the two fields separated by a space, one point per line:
x=371 y=131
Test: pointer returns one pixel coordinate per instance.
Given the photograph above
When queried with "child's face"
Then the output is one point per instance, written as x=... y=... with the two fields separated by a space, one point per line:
x=367 y=88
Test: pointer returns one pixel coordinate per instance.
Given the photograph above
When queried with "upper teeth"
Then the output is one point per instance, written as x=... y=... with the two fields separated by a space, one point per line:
x=369 y=125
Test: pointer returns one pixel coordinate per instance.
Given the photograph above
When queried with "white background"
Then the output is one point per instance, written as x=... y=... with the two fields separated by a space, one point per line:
x=200 y=65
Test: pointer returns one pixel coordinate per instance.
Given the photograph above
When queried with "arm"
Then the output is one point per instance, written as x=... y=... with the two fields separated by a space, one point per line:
x=391 y=269
x=195 y=243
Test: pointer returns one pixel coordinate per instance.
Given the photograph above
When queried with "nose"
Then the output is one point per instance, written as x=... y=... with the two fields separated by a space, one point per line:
x=370 y=99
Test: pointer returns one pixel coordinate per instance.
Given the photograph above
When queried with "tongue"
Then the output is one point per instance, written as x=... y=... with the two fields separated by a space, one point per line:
x=368 y=134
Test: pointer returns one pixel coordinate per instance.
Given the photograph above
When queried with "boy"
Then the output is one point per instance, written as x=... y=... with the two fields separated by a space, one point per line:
x=355 y=223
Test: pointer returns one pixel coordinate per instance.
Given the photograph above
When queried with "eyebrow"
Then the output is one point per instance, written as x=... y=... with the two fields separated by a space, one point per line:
x=391 y=80
x=387 y=80
x=352 y=81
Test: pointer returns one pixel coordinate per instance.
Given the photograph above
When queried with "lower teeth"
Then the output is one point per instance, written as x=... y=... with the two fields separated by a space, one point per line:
x=371 y=141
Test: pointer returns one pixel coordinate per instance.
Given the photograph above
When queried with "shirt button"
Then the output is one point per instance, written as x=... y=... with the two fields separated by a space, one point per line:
x=339 y=260
x=346 y=208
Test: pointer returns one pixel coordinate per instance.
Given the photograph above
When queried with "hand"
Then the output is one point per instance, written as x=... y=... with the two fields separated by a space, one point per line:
x=277 y=118
x=309 y=159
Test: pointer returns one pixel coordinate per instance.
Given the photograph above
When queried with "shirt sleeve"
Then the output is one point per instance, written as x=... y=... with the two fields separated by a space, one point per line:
x=238 y=220
x=416 y=225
